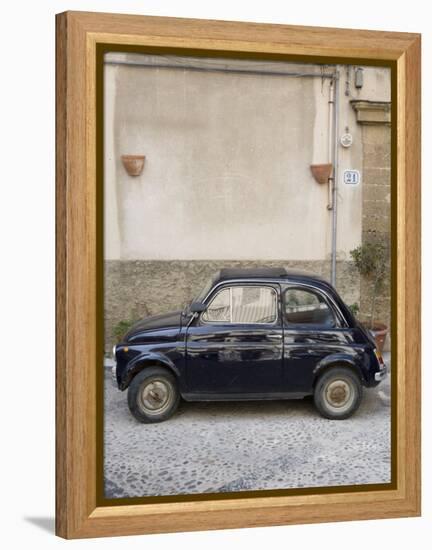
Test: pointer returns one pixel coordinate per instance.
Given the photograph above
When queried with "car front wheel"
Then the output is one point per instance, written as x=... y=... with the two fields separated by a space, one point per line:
x=338 y=393
x=153 y=395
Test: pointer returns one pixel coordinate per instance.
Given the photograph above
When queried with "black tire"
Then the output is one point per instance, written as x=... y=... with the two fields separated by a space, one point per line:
x=153 y=395
x=338 y=393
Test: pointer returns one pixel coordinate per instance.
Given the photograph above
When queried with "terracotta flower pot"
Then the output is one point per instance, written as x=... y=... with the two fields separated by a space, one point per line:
x=379 y=331
x=321 y=172
x=133 y=164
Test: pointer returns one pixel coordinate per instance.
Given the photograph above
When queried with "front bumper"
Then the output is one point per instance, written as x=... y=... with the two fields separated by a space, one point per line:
x=114 y=367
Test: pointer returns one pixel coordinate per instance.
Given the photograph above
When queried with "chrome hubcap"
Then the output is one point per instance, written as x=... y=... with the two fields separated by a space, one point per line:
x=155 y=396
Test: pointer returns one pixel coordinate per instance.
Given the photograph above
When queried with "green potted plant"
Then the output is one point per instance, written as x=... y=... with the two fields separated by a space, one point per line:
x=371 y=261
x=120 y=329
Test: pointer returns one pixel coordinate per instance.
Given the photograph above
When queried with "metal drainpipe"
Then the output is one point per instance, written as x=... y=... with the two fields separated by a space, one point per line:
x=215 y=69
x=333 y=207
x=330 y=146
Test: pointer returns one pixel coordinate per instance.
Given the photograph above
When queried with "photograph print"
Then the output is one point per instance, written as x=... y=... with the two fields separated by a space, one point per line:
x=247 y=275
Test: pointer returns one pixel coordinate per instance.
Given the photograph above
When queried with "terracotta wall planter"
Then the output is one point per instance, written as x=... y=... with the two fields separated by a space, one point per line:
x=133 y=164
x=321 y=172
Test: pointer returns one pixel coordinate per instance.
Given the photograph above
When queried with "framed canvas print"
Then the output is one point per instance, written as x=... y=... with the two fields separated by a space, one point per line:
x=238 y=274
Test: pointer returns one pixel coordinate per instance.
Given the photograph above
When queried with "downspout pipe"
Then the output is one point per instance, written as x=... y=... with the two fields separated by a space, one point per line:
x=334 y=180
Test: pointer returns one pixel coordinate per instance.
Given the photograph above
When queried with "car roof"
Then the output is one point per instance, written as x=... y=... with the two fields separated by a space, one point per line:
x=278 y=273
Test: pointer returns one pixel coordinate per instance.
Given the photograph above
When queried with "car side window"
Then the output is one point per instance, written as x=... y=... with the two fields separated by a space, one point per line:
x=219 y=309
x=307 y=308
x=254 y=304
x=243 y=305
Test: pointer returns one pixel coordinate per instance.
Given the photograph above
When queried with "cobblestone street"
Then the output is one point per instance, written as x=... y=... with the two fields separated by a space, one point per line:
x=223 y=447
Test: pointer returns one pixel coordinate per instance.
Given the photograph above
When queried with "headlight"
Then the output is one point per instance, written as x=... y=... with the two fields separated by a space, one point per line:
x=114 y=353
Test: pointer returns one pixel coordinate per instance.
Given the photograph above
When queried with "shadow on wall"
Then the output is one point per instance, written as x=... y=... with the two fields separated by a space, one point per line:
x=137 y=289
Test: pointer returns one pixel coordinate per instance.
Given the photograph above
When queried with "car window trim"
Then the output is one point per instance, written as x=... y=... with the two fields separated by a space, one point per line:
x=334 y=308
x=222 y=286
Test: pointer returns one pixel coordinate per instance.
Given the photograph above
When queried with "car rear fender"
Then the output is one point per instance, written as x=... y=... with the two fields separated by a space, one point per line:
x=338 y=360
x=149 y=359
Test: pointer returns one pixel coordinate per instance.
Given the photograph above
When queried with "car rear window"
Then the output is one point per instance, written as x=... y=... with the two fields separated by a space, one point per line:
x=305 y=307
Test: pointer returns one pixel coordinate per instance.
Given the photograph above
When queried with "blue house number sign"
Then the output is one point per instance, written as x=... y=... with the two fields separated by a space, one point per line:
x=351 y=177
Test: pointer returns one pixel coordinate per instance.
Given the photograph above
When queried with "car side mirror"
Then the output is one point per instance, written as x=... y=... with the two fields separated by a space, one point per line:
x=197 y=307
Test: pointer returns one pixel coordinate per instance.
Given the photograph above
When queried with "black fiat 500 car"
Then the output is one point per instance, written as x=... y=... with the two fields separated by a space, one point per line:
x=251 y=334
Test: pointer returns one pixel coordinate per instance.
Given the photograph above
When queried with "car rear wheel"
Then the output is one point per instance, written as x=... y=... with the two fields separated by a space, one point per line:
x=338 y=393
x=153 y=395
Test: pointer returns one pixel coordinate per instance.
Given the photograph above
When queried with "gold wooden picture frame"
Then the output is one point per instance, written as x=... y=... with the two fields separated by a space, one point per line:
x=82 y=38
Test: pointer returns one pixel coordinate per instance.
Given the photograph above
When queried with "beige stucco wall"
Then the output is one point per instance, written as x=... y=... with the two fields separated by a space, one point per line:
x=227 y=164
x=227 y=176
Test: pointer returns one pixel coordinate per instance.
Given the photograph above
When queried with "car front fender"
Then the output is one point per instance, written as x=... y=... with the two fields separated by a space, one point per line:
x=143 y=360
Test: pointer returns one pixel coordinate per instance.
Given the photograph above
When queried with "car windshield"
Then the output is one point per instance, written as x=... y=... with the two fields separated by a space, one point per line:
x=206 y=289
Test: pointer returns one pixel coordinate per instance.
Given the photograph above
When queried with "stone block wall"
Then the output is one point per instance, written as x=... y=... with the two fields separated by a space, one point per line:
x=136 y=289
x=374 y=117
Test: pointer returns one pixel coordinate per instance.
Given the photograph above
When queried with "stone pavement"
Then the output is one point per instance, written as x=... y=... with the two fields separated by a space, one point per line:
x=223 y=447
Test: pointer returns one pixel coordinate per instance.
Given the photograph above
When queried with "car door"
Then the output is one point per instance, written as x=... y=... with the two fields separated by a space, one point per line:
x=314 y=328
x=235 y=347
